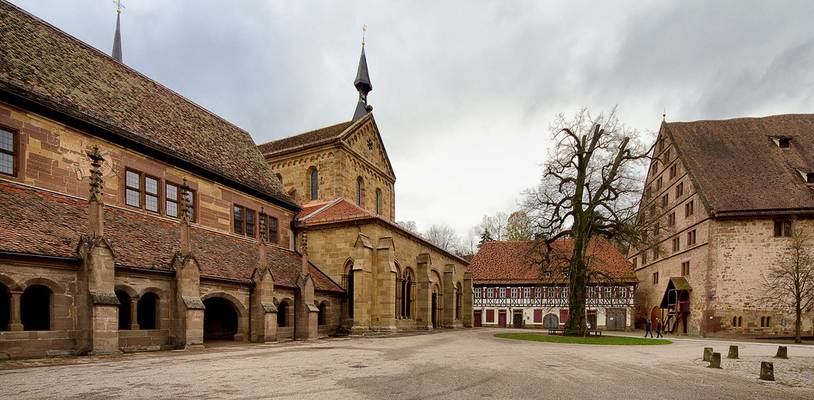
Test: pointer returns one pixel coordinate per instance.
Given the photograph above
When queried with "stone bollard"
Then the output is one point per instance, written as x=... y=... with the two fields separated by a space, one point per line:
x=766 y=371
x=782 y=352
x=733 y=352
x=707 y=353
x=715 y=360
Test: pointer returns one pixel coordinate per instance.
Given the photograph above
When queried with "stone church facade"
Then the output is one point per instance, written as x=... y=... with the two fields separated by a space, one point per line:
x=134 y=219
x=722 y=199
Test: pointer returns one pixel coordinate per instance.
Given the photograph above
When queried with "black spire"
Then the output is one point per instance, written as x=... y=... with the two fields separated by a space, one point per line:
x=363 y=85
x=117 y=37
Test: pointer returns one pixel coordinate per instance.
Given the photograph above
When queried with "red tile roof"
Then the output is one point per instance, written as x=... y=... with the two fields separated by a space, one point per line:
x=40 y=63
x=739 y=168
x=519 y=262
x=305 y=139
x=340 y=211
x=42 y=223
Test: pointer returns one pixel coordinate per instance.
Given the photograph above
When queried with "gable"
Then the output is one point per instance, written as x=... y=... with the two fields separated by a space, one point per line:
x=365 y=142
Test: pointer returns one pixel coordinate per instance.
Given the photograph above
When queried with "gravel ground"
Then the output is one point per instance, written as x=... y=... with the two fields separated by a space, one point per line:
x=462 y=364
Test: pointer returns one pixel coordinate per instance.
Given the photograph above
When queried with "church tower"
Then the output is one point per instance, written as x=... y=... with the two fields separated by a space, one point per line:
x=117 y=37
x=363 y=85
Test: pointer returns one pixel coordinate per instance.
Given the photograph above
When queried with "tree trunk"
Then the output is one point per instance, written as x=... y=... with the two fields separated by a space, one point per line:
x=798 y=324
x=578 y=277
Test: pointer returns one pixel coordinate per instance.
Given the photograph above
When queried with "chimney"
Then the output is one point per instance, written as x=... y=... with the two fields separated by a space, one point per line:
x=304 y=253
x=96 y=220
x=186 y=245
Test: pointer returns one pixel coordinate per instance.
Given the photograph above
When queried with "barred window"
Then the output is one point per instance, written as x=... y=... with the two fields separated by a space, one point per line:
x=132 y=188
x=151 y=194
x=171 y=200
x=8 y=152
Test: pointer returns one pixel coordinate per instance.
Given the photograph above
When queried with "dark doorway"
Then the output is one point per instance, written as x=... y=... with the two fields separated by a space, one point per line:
x=5 y=307
x=148 y=311
x=321 y=316
x=615 y=319
x=477 y=318
x=434 y=307
x=350 y=292
x=124 y=309
x=220 y=319
x=35 y=308
x=501 y=318
x=517 y=319
x=550 y=321
x=591 y=317
x=282 y=315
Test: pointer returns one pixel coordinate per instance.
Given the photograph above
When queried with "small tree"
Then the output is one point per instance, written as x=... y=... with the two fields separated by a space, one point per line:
x=484 y=237
x=790 y=282
x=443 y=236
x=591 y=187
x=519 y=227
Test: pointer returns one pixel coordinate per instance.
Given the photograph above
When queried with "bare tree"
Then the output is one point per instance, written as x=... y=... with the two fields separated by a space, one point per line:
x=519 y=226
x=443 y=236
x=409 y=226
x=790 y=282
x=591 y=187
x=495 y=225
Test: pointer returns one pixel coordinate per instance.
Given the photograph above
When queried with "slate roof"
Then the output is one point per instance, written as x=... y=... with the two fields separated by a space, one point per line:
x=342 y=211
x=42 y=223
x=325 y=134
x=739 y=168
x=519 y=262
x=42 y=64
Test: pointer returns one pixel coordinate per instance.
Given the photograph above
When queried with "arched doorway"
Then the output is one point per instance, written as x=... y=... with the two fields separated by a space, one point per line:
x=124 y=309
x=220 y=319
x=35 y=308
x=551 y=321
x=282 y=314
x=5 y=307
x=148 y=311
x=349 y=289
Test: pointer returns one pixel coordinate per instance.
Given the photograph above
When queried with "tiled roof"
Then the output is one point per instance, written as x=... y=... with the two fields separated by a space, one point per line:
x=738 y=167
x=40 y=63
x=507 y=262
x=340 y=210
x=305 y=139
x=42 y=223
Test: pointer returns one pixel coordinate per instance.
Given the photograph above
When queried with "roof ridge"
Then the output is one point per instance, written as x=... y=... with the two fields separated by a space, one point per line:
x=794 y=115
x=305 y=133
x=322 y=208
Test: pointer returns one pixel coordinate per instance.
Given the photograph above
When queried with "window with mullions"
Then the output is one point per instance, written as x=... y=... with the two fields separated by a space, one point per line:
x=132 y=188
x=8 y=149
x=244 y=220
x=151 y=194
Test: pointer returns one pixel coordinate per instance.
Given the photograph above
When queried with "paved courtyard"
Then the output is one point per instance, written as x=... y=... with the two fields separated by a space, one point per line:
x=469 y=364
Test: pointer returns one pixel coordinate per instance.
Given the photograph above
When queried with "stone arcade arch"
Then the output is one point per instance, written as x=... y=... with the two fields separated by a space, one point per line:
x=125 y=309
x=5 y=307
x=221 y=319
x=284 y=314
x=147 y=314
x=36 y=308
x=349 y=297
x=322 y=316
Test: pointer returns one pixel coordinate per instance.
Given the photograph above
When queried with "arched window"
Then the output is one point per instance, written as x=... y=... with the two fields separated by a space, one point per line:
x=378 y=201
x=148 y=311
x=349 y=288
x=314 y=178
x=282 y=314
x=5 y=307
x=407 y=286
x=35 y=308
x=321 y=316
x=124 y=309
x=359 y=187
x=458 y=300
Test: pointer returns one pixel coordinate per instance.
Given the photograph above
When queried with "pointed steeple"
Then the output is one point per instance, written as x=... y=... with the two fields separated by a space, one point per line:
x=362 y=84
x=117 y=37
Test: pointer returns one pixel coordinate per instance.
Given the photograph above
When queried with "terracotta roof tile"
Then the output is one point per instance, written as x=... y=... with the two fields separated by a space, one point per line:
x=503 y=262
x=304 y=139
x=42 y=223
x=739 y=168
x=40 y=63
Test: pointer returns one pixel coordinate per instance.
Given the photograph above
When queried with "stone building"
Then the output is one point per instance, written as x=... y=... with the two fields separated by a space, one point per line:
x=134 y=219
x=722 y=198
x=512 y=286
x=394 y=279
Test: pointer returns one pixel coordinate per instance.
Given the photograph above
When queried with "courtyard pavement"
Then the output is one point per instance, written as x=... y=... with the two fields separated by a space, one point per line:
x=463 y=364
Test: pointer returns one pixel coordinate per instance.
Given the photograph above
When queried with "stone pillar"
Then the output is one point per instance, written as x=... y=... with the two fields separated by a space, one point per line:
x=134 y=314
x=189 y=329
x=263 y=312
x=385 y=313
x=362 y=284
x=306 y=312
x=448 y=287
x=15 y=324
x=423 y=300
x=468 y=299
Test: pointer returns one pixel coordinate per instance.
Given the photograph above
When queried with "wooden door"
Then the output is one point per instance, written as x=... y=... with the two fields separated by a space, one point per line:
x=550 y=321
x=501 y=319
x=517 y=320
x=615 y=319
x=591 y=316
x=477 y=318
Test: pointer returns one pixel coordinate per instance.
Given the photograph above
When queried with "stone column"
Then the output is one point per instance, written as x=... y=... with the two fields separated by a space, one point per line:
x=448 y=287
x=468 y=299
x=386 y=280
x=15 y=324
x=423 y=300
x=305 y=320
x=134 y=314
x=189 y=329
x=263 y=312
x=362 y=284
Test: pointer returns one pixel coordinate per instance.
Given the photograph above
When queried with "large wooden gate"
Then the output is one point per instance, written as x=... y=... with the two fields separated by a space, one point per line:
x=517 y=319
x=477 y=316
x=550 y=321
x=615 y=319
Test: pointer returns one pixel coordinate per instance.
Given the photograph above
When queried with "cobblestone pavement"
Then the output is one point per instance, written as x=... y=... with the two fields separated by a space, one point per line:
x=468 y=364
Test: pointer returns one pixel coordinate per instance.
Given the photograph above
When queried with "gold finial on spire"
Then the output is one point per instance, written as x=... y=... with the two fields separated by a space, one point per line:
x=664 y=115
x=119 y=6
x=364 y=31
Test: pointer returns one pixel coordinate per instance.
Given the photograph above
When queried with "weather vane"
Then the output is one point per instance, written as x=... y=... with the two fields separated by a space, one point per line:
x=364 y=31
x=119 y=6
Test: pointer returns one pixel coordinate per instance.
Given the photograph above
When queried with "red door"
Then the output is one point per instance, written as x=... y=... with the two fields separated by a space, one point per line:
x=501 y=319
x=477 y=316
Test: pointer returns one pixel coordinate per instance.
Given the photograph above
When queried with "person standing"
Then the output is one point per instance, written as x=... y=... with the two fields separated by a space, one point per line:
x=658 y=328
x=649 y=326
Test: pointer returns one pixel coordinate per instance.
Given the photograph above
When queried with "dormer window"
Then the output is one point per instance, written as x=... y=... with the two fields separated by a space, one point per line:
x=807 y=176
x=783 y=142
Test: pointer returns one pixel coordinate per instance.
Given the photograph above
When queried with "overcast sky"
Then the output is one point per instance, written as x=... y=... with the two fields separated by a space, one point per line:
x=464 y=92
